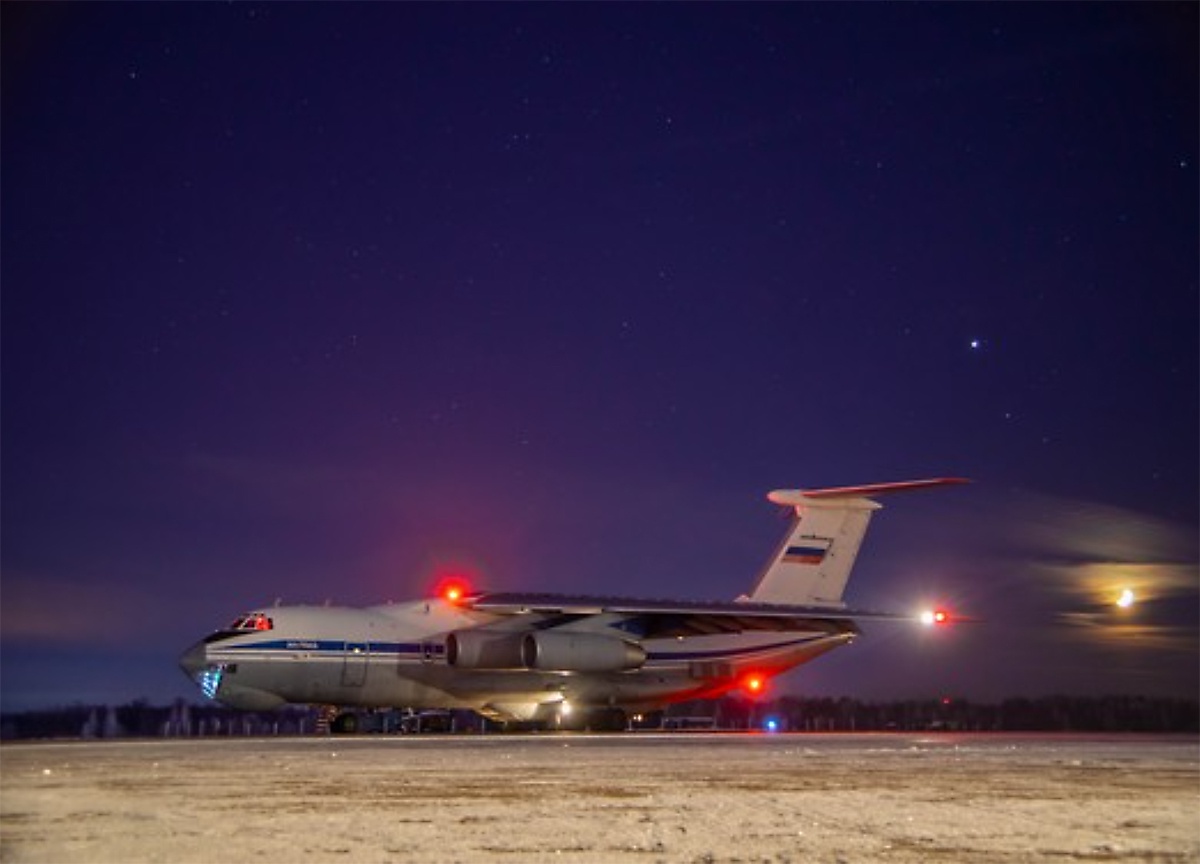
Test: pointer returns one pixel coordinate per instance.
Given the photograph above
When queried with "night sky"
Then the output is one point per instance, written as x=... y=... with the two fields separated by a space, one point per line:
x=316 y=301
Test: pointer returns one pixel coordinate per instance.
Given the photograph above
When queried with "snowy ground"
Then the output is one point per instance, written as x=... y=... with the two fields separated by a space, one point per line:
x=624 y=798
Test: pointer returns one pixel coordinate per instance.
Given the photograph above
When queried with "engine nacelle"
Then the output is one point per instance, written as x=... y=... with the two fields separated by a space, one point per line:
x=579 y=652
x=481 y=649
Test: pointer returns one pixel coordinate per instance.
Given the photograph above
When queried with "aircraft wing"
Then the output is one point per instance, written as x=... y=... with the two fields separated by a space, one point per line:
x=659 y=619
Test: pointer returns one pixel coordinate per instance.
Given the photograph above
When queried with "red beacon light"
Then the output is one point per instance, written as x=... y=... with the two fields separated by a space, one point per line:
x=934 y=617
x=754 y=684
x=453 y=591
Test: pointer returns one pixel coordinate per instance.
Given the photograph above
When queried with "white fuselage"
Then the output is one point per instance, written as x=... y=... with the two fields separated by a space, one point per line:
x=396 y=656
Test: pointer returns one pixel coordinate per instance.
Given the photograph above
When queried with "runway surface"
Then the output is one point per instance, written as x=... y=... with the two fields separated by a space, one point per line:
x=618 y=798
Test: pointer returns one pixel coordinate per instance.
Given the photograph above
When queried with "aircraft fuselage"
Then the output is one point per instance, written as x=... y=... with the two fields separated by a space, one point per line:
x=403 y=655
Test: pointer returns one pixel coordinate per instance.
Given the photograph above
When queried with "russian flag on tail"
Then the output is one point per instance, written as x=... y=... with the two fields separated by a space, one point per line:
x=806 y=553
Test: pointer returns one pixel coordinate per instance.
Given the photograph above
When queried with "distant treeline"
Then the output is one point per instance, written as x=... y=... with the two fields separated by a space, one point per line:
x=1045 y=714
x=140 y=719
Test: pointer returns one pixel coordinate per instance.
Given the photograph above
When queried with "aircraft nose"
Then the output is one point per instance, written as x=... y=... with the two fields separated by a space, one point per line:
x=194 y=660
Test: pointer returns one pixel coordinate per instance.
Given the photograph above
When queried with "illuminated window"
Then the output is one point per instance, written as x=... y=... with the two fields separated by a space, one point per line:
x=256 y=621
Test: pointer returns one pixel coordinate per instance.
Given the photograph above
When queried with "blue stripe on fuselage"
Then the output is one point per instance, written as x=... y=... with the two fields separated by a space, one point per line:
x=337 y=647
x=334 y=646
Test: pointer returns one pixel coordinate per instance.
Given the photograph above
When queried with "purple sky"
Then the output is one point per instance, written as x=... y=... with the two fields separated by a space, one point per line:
x=313 y=301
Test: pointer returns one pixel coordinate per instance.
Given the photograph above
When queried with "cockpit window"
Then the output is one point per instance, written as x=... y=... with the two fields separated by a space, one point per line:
x=253 y=621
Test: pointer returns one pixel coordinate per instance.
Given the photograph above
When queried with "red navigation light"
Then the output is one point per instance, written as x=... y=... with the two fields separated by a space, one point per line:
x=932 y=617
x=754 y=684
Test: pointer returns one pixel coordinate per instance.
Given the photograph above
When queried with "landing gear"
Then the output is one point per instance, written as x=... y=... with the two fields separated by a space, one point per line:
x=608 y=720
x=344 y=724
x=591 y=720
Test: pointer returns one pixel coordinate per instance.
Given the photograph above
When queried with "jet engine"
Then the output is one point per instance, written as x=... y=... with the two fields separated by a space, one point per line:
x=481 y=649
x=579 y=652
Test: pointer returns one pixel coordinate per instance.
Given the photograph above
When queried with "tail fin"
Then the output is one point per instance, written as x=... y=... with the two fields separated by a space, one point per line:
x=813 y=563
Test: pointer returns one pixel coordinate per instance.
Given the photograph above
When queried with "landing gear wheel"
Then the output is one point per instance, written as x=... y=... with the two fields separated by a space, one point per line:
x=344 y=724
x=608 y=720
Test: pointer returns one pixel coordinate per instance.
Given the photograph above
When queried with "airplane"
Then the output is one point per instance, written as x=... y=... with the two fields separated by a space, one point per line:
x=560 y=661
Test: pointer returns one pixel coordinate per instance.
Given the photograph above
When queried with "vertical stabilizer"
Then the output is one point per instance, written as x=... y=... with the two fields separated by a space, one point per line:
x=813 y=563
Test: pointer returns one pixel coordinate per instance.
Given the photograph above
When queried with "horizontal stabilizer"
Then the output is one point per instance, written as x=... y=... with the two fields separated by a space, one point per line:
x=795 y=497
